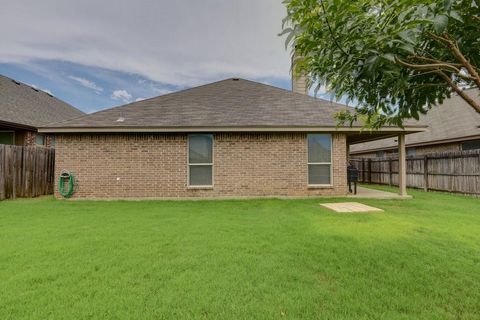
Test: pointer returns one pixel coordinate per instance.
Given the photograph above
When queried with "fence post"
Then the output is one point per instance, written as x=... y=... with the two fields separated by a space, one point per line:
x=369 y=170
x=425 y=173
x=2 y=172
x=390 y=171
x=14 y=171
x=363 y=170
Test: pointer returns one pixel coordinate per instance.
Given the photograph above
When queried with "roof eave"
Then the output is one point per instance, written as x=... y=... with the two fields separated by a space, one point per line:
x=131 y=129
x=15 y=125
x=419 y=144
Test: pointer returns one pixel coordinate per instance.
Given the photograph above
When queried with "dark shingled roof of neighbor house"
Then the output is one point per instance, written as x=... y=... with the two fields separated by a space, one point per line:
x=453 y=120
x=230 y=103
x=24 y=105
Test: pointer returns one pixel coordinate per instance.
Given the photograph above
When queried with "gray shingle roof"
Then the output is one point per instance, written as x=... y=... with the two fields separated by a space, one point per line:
x=452 y=120
x=22 y=104
x=227 y=103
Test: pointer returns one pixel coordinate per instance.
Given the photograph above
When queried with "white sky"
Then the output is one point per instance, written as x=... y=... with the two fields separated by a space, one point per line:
x=182 y=42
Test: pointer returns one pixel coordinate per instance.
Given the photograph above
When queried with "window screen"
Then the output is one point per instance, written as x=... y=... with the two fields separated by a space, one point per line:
x=200 y=160
x=319 y=159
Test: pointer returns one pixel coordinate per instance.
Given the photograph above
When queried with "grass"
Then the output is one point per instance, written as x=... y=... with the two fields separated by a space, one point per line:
x=255 y=259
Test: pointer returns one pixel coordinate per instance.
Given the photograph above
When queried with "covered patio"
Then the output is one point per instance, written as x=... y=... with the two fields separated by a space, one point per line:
x=386 y=132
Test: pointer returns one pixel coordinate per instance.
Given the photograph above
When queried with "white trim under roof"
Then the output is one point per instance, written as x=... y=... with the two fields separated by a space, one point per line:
x=409 y=129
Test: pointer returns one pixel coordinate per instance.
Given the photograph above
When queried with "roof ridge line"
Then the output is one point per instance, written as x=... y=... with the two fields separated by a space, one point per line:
x=162 y=95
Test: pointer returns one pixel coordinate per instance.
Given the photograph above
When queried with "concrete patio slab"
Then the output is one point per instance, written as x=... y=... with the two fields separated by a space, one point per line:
x=350 y=207
x=367 y=193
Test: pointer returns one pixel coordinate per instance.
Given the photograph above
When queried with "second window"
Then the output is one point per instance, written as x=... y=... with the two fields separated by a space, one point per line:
x=319 y=159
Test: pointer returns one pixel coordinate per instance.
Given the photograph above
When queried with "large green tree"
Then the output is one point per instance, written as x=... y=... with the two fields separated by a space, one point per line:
x=396 y=59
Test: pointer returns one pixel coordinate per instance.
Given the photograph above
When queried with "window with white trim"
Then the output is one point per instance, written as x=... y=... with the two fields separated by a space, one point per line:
x=319 y=159
x=200 y=160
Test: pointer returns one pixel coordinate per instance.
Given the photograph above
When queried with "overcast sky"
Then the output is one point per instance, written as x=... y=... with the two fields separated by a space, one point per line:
x=99 y=53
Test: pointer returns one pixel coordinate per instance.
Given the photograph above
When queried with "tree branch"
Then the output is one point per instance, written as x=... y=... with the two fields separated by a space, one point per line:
x=424 y=73
x=330 y=29
x=459 y=91
x=430 y=66
x=435 y=60
x=423 y=85
x=472 y=70
x=464 y=61
x=438 y=38
x=465 y=77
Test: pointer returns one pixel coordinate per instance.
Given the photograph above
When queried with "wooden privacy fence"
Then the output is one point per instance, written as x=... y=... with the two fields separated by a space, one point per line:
x=453 y=172
x=26 y=171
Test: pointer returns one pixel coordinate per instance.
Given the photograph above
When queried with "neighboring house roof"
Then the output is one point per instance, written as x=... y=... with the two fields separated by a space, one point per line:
x=453 y=120
x=234 y=104
x=24 y=105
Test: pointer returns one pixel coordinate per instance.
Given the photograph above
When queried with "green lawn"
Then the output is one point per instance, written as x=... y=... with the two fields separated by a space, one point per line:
x=261 y=259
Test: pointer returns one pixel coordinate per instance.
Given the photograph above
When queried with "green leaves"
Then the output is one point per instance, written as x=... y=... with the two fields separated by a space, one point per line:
x=290 y=32
x=447 y=4
x=440 y=23
x=455 y=15
x=408 y=36
x=389 y=56
x=358 y=48
x=407 y=47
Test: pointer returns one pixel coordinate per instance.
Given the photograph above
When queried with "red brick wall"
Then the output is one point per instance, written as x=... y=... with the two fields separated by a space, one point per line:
x=155 y=165
x=30 y=137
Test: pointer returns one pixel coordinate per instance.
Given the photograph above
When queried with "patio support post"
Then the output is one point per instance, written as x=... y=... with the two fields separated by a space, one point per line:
x=402 y=165
x=348 y=154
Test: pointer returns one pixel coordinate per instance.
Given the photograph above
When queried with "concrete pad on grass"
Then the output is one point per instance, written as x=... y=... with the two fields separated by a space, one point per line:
x=350 y=207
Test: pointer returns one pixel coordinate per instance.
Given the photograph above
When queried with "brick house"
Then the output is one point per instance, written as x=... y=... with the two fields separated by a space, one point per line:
x=452 y=126
x=232 y=138
x=23 y=109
